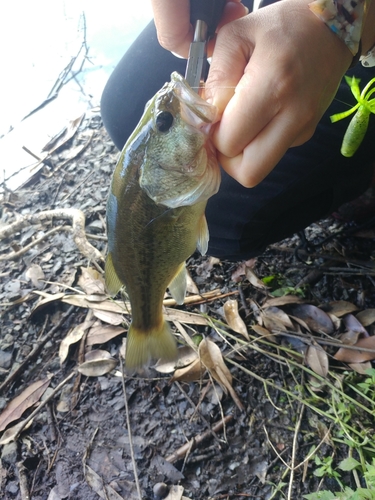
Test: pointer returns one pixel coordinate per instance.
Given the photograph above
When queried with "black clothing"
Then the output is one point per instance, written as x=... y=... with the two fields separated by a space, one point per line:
x=309 y=182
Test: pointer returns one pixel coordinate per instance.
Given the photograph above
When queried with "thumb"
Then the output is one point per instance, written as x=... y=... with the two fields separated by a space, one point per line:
x=230 y=57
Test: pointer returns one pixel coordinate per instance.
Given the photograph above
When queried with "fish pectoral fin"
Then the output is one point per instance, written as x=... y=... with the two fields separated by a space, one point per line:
x=112 y=281
x=177 y=286
x=203 y=235
x=153 y=344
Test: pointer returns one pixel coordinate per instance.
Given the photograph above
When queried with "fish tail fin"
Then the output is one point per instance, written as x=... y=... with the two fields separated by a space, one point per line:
x=155 y=343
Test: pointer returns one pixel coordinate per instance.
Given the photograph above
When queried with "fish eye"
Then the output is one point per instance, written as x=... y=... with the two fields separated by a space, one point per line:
x=164 y=121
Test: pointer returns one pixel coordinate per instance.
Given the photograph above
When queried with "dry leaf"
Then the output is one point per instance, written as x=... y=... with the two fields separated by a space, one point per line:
x=48 y=298
x=316 y=358
x=63 y=406
x=341 y=307
x=97 y=363
x=254 y=280
x=175 y=493
x=361 y=368
x=121 y=307
x=300 y=322
x=103 y=333
x=349 y=338
x=315 y=318
x=234 y=320
x=64 y=135
x=74 y=335
x=186 y=356
x=91 y=281
x=282 y=301
x=96 y=298
x=354 y=356
x=367 y=317
x=194 y=371
x=191 y=287
x=97 y=484
x=212 y=359
x=81 y=300
x=352 y=323
x=34 y=274
x=241 y=270
x=263 y=332
x=274 y=319
x=108 y=317
x=335 y=320
x=185 y=317
x=12 y=433
x=204 y=269
x=23 y=401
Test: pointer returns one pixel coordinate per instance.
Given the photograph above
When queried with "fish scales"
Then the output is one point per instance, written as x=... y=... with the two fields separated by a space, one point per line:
x=155 y=212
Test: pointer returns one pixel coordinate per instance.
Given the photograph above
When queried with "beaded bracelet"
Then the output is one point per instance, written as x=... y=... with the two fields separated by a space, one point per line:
x=344 y=18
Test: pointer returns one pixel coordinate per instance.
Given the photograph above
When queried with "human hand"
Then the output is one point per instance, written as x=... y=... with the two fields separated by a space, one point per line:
x=172 y=20
x=273 y=74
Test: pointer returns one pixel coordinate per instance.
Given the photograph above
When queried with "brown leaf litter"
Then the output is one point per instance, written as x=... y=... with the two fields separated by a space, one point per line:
x=201 y=426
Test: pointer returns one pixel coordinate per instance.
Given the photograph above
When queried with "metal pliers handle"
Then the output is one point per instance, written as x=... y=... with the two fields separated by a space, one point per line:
x=204 y=16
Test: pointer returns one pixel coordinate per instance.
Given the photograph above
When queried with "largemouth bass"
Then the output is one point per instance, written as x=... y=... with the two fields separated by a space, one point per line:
x=155 y=212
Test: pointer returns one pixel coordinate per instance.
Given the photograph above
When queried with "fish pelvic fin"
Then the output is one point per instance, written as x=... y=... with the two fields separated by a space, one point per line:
x=112 y=281
x=203 y=235
x=144 y=346
x=177 y=286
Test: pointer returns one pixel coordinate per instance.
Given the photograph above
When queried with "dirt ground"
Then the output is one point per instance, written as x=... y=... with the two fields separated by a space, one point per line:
x=77 y=445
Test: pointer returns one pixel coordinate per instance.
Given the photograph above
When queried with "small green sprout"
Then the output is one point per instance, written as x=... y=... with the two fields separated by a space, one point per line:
x=358 y=124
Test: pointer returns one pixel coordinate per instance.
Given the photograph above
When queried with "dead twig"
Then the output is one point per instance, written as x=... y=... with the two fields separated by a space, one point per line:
x=22 y=476
x=201 y=298
x=193 y=443
x=78 y=228
x=294 y=452
x=34 y=353
x=130 y=433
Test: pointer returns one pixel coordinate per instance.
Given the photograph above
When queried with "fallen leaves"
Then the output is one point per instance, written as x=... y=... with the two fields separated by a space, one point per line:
x=233 y=318
x=299 y=323
x=316 y=358
x=365 y=351
x=211 y=357
x=23 y=401
x=97 y=363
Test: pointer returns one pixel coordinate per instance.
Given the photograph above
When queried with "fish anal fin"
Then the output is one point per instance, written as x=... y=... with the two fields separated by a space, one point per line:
x=203 y=235
x=112 y=281
x=177 y=286
x=144 y=346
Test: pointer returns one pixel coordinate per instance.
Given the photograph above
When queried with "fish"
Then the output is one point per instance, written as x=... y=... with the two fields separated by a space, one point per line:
x=155 y=214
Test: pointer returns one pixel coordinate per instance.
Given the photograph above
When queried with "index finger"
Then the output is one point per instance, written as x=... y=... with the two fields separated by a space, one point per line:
x=172 y=20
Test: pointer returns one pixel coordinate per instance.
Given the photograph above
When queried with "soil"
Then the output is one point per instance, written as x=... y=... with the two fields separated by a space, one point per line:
x=78 y=445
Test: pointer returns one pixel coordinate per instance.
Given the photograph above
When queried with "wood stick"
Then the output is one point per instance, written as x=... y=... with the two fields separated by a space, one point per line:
x=193 y=443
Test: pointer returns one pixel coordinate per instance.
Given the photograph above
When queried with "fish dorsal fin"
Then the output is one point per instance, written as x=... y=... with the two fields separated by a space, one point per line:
x=203 y=235
x=177 y=286
x=112 y=281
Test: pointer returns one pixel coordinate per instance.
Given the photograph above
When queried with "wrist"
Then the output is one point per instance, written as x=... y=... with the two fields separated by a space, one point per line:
x=344 y=17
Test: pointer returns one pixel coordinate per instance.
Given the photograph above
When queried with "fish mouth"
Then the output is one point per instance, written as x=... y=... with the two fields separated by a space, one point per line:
x=192 y=103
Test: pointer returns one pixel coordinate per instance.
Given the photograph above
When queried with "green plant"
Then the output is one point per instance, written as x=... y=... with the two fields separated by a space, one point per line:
x=326 y=469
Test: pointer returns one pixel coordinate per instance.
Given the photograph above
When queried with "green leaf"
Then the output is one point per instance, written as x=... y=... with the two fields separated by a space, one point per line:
x=267 y=280
x=349 y=464
x=320 y=495
x=320 y=472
